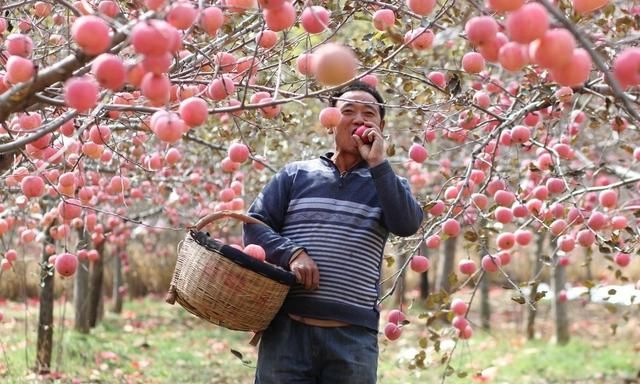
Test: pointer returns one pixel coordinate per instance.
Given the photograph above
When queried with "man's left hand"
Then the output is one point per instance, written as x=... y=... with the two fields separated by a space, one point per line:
x=373 y=153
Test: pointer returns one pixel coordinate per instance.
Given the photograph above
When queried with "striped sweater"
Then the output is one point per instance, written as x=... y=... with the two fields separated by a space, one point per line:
x=343 y=223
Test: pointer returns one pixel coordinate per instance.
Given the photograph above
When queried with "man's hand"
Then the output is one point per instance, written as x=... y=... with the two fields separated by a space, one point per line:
x=306 y=271
x=372 y=153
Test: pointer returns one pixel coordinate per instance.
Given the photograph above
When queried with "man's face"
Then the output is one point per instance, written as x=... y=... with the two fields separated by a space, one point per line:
x=354 y=114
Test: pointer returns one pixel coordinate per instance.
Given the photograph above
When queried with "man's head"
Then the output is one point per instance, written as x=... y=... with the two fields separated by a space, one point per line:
x=359 y=86
x=359 y=104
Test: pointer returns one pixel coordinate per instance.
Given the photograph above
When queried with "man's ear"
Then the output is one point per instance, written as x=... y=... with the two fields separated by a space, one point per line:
x=381 y=125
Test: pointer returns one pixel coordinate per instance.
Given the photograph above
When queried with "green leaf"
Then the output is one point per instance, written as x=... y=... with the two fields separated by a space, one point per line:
x=391 y=150
x=471 y=236
x=519 y=299
x=604 y=249
x=453 y=86
x=630 y=231
x=428 y=206
x=390 y=261
x=453 y=279
x=237 y=354
x=627 y=148
x=546 y=259
x=533 y=168
x=449 y=370
x=423 y=342
x=539 y=296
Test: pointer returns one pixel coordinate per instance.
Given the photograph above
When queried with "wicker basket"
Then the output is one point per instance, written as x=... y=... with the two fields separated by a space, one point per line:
x=223 y=285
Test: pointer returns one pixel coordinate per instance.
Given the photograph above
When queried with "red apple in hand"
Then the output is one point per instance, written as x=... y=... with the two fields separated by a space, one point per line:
x=360 y=132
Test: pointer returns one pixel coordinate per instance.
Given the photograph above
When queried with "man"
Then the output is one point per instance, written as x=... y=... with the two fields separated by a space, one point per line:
x=329 y=219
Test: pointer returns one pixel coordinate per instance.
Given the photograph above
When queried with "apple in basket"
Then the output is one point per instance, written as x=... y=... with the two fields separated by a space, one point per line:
x=236 y=246
x=255 y=251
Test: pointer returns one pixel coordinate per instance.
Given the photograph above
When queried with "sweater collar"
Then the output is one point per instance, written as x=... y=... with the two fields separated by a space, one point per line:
x=327 y=159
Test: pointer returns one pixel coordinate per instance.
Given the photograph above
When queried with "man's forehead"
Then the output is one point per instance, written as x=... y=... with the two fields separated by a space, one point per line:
x=352 y=97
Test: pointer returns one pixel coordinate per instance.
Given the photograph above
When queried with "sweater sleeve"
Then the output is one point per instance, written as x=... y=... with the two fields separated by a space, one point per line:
x=401 y=212
x=270 y=207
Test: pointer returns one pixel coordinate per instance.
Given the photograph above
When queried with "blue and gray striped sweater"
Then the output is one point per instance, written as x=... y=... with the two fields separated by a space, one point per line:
x=343 y=223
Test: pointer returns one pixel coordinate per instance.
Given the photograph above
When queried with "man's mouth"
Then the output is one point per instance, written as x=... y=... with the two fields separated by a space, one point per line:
x=355 y=128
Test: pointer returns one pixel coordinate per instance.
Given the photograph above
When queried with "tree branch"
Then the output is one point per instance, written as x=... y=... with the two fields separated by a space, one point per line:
x=50 y=127
x=20 y=96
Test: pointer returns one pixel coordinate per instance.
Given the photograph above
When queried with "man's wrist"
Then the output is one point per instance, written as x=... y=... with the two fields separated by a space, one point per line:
x=375 y=163
x=295 y=255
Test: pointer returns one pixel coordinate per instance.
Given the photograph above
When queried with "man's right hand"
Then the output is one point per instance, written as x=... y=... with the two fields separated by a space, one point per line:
x=306 y=271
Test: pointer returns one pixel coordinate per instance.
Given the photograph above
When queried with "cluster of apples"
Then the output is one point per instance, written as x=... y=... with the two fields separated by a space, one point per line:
x=571 y=226
x=528 y=39
x=396 y=319
x=9 y=258
x=459 y=321
x=66 y=263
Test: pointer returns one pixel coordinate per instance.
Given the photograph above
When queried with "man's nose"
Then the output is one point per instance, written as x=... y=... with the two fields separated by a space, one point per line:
x=358 y=118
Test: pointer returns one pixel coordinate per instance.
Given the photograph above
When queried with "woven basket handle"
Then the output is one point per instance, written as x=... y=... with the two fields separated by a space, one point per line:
x=171 y=295
x=225 y=214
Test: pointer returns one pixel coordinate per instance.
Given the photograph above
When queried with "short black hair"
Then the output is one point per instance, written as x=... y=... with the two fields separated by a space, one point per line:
x=359 y=86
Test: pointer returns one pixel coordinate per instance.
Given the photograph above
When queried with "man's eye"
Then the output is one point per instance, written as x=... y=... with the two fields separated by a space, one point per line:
x=347 y=111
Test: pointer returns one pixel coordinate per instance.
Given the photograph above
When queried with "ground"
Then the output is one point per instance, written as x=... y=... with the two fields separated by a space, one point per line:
x=153 y=342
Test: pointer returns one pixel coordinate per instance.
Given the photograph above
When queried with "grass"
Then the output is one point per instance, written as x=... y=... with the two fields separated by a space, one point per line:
x=152 y=342
x=543 y=362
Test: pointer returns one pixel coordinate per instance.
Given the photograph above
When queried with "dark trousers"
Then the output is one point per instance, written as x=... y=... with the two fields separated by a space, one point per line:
x=291 y=352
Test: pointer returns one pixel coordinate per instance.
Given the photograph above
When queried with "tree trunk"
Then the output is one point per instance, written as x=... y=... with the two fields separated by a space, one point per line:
x=117 y=283
x=446 y=264
x=45 y=319
x=588 y=261
x=588 y=258
x=424 y=277
x=485 y=306
x=95 y=288
x=81 y=289
x=81 y=297
x=531 y=318
x=560 y=307
x=400 y=288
